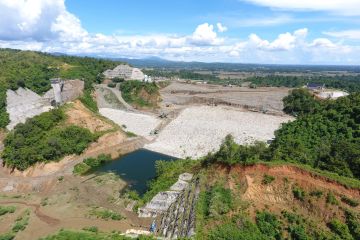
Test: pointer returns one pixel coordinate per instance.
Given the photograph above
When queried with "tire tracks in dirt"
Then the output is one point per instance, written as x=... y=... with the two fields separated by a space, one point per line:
x=43 y=217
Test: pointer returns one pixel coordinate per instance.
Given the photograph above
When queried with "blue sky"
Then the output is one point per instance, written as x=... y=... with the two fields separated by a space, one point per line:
x=256 y=31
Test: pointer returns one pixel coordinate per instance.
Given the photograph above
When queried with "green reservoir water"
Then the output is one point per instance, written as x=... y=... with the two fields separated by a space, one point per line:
x=136 y=168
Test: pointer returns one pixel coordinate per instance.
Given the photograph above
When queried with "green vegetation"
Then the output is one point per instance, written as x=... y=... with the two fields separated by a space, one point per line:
x=340 y=229
x=88 y=235
x=7 y=236
x=231 y=153
x=89 y=164
x=268 y=225
x=21 y=222
x=111 y=85
x=267 y=179
x=299 y=193
x=34 y=70
x=353 y=223
x=93 y=229
x=331 y=199
x=7 y=209
x=89 y=102
x=130 y=134
x=218 y=201
x=345 y=82
x=105 y=214
x=182 y=74
x=167 y=173
x=349 y=201
x=316 y=193
x=328 y=138
x=141 y=94
x=301 y=102
x=117 y=80
x=43 y=139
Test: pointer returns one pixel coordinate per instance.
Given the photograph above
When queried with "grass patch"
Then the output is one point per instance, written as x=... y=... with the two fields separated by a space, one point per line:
x=267 y=179
x=331 y=199
x=105 y=214
x=130 y=134
x=299 y=193
x=7 y=236
x=90 y=164
x=93 y=229
x=167 y=173
x=21 y=222
x=140 y=93
x=316 y=193
x=89 y=102
x=349 y=201
x=7 y=209
x=346 y=181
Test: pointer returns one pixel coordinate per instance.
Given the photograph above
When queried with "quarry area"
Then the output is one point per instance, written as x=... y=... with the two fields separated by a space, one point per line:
x=193 y=119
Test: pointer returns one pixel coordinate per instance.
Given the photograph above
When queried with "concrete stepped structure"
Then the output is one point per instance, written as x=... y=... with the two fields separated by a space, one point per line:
x=174 y=210
x=24 y=103
x=179 y=220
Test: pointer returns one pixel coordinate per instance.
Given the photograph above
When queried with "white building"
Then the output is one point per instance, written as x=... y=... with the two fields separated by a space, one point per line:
x=126 y=72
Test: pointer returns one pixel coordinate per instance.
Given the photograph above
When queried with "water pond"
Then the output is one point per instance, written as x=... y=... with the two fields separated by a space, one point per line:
x=136 y=168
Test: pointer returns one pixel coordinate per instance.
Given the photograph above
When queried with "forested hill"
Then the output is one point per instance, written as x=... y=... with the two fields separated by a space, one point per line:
x=33 y=70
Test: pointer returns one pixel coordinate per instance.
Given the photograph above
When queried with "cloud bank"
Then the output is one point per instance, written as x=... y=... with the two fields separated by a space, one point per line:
x=46 y=25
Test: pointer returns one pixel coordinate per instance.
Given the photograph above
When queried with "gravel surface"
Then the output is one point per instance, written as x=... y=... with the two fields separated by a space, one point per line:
x=201 y=129
x=140 y=124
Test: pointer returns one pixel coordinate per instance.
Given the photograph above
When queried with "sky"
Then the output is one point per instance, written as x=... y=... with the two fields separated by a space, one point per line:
x=241 y=31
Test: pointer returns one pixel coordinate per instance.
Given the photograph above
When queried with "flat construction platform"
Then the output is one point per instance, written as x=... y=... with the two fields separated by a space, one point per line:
x=267 y=99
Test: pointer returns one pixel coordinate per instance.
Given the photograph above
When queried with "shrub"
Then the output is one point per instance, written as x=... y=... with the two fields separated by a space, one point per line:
x=81 y=169
x=316 y=193
x=106 y=214
x=89 y=164
x=7 y=236
x=41 y=139
x=111 y=85
x=268 y=225
x=331 y=199
x=130 y=134
x=349 y=201
x=240 y=229
x=340 y=229
x=267 y=179
x=21 y=222
x=118 y=80
x=220 y=201
x=93 y=229
x=7 y=209
x=353 y=223
x=299 y=193
x=89 y=101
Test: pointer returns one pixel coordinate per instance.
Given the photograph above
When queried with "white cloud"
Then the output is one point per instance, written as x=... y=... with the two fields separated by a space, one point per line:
x=352 y=34
x=341 y=7
x=221 y=28
x=37 y=19
x=284 y=42
x=205 y=35
x=46 y=25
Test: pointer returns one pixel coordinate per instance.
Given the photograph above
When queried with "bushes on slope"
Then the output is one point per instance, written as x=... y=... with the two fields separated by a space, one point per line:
x=42 y=139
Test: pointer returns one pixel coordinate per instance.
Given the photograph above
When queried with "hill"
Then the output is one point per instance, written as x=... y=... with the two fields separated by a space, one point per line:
x=140 y=94
x=33 y=70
